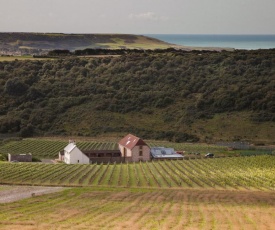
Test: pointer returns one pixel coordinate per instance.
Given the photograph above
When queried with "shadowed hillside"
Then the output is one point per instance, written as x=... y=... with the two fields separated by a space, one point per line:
x=179 y=96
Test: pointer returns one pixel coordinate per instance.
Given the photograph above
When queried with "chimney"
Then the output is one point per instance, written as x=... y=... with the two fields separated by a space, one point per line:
x=72 y=141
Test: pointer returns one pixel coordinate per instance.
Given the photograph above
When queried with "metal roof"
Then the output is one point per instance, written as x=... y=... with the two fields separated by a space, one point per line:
x=130 y=141
x=168 y=153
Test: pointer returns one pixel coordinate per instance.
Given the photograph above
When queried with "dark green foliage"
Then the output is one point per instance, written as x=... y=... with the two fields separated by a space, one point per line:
x=3 y=157
x=59 y=53
x=44 y=96
x=35 y=159
x=27 y=131
x=15 y=87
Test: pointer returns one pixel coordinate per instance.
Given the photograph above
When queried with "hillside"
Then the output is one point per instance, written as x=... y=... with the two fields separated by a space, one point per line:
x=173 y=95
x=39 y=43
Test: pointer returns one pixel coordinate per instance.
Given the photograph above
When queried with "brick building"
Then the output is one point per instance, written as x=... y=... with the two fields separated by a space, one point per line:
x=134 y=149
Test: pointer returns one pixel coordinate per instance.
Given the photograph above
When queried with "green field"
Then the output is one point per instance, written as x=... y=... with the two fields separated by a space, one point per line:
x=237 y=173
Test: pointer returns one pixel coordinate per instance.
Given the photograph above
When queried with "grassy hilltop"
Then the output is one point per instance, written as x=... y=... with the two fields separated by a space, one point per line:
x=38 y=42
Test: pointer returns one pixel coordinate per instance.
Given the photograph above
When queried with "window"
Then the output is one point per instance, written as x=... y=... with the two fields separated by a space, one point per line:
x=140 y=151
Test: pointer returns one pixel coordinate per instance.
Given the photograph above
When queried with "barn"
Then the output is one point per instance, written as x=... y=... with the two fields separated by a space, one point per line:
x=134 y=149
x=73 y=155
x=103 y=156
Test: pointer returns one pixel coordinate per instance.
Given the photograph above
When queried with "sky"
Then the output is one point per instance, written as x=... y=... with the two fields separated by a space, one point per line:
x=139 y=16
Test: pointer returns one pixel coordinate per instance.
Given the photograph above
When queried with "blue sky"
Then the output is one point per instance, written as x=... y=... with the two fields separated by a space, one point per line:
x=139 y=16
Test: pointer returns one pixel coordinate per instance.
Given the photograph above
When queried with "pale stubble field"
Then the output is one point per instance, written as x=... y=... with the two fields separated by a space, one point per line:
x=142 y=208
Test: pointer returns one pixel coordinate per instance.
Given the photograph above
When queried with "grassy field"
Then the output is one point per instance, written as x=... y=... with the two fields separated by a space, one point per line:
x=21 y=58
x=236 y=173
x=16 y=41
x=235 y=124
x=104 y=208
x=139 y=43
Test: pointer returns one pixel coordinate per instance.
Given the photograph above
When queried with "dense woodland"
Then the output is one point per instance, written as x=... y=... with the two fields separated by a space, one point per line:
x=90 y=96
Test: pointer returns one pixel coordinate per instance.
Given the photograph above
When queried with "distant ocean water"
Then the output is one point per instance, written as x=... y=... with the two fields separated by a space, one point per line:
x=247 y=42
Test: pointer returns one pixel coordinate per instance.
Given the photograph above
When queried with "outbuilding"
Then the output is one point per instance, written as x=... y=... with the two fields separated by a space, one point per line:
x=161 y=153
x=26 y=157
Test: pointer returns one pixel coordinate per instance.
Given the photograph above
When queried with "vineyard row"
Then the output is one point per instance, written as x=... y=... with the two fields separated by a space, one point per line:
x=257 y=172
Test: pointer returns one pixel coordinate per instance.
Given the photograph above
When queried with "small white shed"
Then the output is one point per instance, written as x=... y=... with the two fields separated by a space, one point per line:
x=73 y=155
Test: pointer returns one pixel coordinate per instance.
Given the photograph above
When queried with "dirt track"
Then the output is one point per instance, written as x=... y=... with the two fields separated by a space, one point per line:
x=14 y=193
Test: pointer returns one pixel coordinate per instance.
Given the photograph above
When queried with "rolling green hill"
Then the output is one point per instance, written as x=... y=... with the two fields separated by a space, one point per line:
x=173 y=95
x=37 y=43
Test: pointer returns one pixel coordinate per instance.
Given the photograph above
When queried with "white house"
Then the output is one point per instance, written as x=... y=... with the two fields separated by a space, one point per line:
x=73 y=155
x=134 y=149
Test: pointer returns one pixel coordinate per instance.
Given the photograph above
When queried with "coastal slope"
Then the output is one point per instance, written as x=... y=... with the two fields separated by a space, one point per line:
x=37 y=43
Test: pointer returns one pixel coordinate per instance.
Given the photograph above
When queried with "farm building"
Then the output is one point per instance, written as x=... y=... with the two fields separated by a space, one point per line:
x=131 y=149
x=104 y=156
x=134 y=149
x=20 y=157
x=158 y=153
x=73 y=155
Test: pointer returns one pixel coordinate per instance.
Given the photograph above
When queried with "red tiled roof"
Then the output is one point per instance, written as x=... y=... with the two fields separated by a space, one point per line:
x=130 y=141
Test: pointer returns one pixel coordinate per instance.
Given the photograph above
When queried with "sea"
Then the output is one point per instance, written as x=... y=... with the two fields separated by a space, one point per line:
x=247 y=42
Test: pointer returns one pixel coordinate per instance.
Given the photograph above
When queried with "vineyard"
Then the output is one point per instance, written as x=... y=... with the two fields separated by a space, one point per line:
x=217 y=193
x=235 y=173
x=50 y=148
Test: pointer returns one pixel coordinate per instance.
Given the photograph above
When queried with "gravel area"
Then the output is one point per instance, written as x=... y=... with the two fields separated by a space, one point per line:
x=49 y=161
x=14 y=193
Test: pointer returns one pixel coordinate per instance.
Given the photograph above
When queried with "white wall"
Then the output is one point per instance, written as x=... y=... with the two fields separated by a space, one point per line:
x=76 y=157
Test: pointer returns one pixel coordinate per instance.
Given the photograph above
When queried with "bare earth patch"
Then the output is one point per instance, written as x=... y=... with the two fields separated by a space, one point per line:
x=14 y=193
